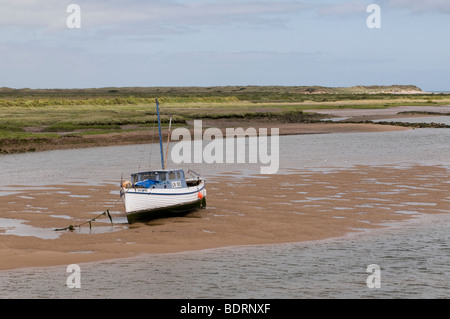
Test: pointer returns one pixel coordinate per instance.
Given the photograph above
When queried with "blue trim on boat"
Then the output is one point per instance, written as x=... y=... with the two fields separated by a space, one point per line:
x=142 y=193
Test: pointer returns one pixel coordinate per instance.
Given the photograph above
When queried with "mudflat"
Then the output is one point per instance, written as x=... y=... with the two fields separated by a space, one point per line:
x=300 y=206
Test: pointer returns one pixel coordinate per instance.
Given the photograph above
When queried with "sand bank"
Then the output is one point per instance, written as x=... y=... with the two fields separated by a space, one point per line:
x=301 y=206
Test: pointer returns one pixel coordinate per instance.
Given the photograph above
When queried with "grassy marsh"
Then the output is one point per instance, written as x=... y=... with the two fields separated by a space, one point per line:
x=52 y=114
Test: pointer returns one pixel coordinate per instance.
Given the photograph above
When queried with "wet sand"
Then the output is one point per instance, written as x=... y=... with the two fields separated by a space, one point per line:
x=301 y=206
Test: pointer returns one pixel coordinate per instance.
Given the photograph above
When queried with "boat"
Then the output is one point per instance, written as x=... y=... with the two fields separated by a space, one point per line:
x=162 y=193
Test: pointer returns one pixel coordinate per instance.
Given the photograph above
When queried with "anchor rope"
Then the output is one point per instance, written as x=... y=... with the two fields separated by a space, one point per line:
x=106 y=213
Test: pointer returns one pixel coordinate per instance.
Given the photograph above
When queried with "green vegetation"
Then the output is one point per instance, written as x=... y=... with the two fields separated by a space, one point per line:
x=54 y=113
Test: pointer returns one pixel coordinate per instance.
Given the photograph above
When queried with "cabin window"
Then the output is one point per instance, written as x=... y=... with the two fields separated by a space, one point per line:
x=149 y=175
x=162 y=176
x=173 y=175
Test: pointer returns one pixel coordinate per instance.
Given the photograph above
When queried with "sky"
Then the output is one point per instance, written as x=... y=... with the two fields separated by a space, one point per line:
x=125 y=43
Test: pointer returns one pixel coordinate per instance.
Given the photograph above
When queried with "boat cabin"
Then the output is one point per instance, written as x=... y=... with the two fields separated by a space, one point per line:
x=159 y=179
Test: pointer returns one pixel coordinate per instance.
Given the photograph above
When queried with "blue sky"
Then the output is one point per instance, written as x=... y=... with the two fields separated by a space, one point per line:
x=214 y=43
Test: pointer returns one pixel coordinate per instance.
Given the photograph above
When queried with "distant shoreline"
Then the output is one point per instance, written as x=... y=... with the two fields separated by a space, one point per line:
x=406 y=89
x=50 y=119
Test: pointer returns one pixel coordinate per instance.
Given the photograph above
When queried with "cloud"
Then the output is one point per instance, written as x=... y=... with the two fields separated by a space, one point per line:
x=421 y=6
x=51 y=14
x=343 y=9
x=350 y=8
x=105 y=24
x=171 y=16
x=29 y=13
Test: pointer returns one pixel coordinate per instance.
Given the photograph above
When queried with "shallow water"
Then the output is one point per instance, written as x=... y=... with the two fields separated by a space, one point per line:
x=106 y=165
x=340 y=151
x=17 y=228
x=414 y=257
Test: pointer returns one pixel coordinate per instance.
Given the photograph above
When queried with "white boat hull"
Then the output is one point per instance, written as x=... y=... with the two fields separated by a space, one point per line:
x=145 y=203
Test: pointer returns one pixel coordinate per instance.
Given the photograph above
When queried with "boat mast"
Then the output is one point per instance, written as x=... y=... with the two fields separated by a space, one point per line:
x=167 y=147
x=160 y=137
